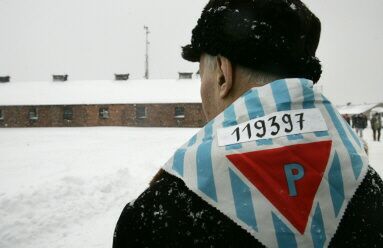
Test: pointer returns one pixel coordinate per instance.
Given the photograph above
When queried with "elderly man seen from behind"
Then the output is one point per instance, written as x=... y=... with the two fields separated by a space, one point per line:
x=275 y=165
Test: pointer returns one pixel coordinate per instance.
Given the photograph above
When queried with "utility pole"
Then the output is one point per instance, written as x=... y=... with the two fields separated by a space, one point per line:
x=147 y=53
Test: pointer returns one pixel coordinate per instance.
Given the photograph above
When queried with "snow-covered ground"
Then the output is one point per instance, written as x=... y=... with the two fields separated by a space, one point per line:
x=66 y=187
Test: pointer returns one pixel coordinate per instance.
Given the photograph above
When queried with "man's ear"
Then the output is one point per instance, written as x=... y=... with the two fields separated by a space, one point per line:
x=225 y=76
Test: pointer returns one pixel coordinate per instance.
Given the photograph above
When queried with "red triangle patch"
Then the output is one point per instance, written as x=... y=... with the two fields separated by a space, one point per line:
x=288 y=177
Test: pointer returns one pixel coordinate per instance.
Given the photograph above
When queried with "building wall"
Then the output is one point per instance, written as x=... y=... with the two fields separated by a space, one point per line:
x=158 y=115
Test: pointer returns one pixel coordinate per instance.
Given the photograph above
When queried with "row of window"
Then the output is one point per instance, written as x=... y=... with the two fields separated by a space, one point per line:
x=103 y=113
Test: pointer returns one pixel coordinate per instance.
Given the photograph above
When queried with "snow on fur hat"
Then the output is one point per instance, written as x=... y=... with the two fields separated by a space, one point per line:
x=275 y=36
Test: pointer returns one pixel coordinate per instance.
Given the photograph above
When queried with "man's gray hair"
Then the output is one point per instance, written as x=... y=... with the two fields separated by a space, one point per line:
x=259 y=77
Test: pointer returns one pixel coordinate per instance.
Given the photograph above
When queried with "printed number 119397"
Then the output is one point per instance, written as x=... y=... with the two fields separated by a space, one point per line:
x=260 y=127
x=273 y=125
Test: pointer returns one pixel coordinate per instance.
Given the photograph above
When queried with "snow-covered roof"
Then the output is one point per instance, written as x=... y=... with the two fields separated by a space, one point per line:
x=377 y=110
x=356 y=109
x=100 y=92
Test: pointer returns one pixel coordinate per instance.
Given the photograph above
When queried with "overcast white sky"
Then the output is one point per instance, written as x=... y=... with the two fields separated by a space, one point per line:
x=93 y=39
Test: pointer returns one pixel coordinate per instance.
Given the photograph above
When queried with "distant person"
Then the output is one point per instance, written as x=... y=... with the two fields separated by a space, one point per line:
x=376 y=125
x=275 y=165
x=353 y=120
x=347 y=118
x=360 y=123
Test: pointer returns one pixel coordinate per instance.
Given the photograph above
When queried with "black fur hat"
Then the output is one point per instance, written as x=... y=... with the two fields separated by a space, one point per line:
x=275 y=36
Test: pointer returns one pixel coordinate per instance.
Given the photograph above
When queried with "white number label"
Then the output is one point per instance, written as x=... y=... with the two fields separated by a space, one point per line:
x=274 y=125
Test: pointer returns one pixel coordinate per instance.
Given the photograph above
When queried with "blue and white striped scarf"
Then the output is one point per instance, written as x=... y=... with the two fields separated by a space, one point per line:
x=207 y=170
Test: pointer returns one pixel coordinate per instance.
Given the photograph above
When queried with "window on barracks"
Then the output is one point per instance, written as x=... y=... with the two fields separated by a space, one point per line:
x=68 y=113
x=33 y=115
x=141 y=112
x=1 y=114
x=179 y=112
x=103 y=113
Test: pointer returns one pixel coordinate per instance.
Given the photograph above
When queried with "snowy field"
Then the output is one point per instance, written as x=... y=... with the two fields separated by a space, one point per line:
x=66 y=187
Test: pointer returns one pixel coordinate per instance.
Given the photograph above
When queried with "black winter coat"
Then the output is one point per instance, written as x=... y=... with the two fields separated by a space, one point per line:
x=168 y=214
x=360 y=121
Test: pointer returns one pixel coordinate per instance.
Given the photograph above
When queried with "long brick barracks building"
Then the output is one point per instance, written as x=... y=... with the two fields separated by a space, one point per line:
x=121 y=102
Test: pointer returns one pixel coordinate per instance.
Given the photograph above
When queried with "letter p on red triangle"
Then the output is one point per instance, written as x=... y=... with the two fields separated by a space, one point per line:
x=288 y=176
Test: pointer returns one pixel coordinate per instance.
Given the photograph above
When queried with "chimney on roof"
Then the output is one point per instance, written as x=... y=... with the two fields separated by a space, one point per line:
x=5 y=79
x=60 y=78
x=121 y=77
x=185 y=75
